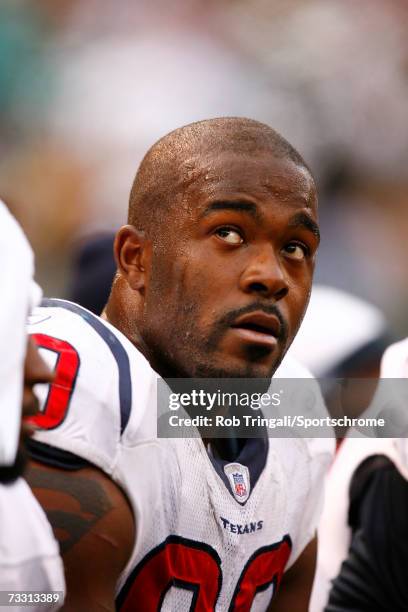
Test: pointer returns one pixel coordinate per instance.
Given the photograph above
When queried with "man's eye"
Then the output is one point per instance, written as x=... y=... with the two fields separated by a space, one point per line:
x=297 y=251
x=230 y=235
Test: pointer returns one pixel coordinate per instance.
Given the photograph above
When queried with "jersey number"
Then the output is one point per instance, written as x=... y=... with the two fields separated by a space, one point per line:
x=60 y=391
x=197 y=567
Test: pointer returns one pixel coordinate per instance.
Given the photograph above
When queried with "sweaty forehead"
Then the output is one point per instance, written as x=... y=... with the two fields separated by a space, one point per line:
x=259 y=176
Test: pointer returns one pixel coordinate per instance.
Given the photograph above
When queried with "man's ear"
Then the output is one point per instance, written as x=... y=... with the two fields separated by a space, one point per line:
x=132 y=253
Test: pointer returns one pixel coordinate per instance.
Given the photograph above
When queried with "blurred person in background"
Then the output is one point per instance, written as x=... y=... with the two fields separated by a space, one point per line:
x=341 y=340
x=341 y=335
x=93 y=270
x=29 y=554
x=364 y=526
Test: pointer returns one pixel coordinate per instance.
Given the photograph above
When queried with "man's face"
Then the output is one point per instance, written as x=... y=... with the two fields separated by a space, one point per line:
x=232 y=272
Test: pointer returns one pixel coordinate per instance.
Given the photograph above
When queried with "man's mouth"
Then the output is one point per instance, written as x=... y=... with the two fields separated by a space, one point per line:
x=258 y=328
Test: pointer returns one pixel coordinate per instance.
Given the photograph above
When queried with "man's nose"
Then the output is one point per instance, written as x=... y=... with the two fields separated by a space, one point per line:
x=264 y=275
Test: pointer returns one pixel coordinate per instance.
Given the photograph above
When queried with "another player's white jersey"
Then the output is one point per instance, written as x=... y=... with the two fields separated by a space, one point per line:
x=197 y=546
x=29 y=553
x=334 y=531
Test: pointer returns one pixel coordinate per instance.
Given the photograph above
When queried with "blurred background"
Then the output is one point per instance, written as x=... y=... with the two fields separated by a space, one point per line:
x=86 y=86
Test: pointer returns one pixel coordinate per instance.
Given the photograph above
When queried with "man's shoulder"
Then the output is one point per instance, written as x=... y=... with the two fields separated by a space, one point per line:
x=72 y=322
x=302 y=397
x=291 y=367
x=65 y=327
x=102 y=383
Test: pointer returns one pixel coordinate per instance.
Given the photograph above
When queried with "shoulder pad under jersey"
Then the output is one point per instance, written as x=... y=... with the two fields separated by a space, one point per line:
x=102 y=385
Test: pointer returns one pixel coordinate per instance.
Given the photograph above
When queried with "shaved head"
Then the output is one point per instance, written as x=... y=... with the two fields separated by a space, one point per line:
x=222 y=226
x=176 y=161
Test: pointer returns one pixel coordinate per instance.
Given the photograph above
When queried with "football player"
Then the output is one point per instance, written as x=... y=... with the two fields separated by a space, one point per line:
x=214 y=273
x=29 y=555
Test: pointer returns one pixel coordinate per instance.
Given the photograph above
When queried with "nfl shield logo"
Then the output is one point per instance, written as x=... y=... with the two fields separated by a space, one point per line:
x=240 y=488
x=238 y=476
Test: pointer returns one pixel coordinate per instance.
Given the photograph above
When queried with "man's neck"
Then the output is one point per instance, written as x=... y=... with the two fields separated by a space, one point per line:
x=227 y=449
x=120 y=312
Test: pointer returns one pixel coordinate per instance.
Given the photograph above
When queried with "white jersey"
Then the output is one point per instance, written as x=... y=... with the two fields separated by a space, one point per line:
x=198 y=545
x=17 y=262
x=29 y=553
